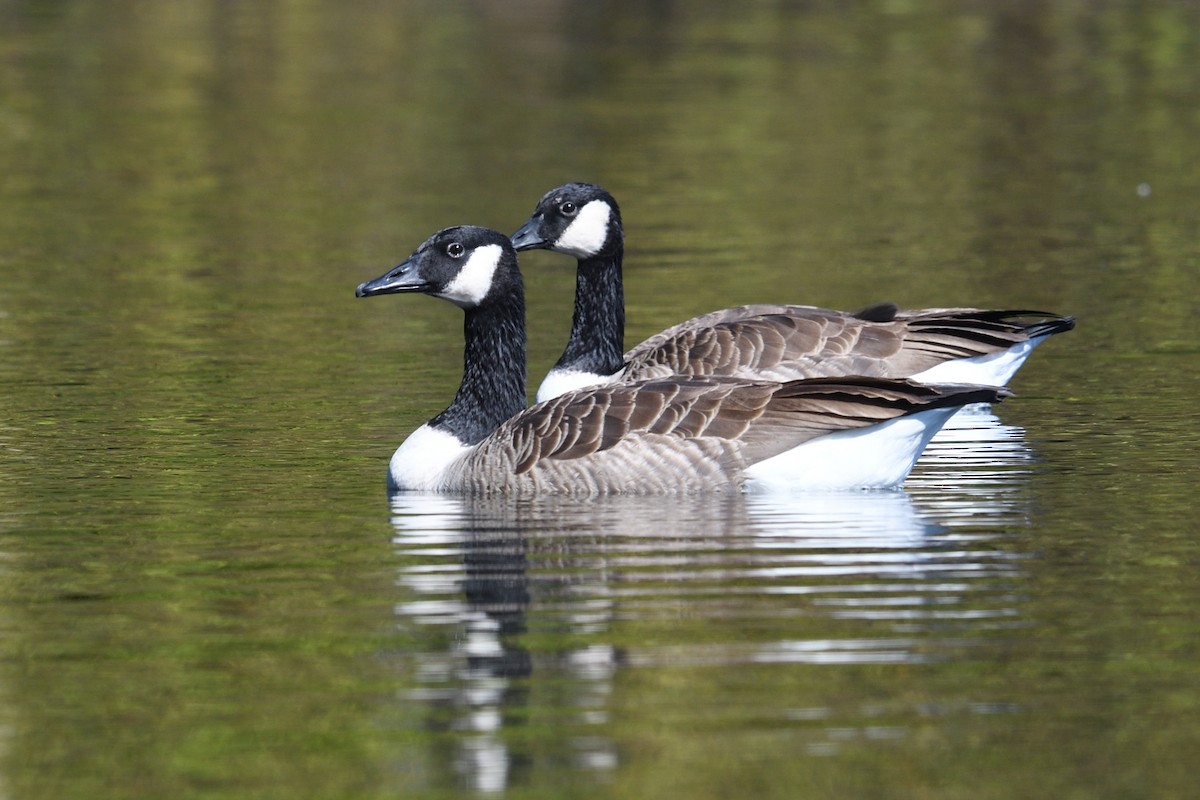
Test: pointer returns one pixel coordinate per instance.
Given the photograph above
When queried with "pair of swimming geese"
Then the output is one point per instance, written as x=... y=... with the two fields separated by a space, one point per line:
x=759 y=397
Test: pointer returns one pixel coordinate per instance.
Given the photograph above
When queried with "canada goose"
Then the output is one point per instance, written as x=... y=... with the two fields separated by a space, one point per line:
x=675 y=434
x=771 y=341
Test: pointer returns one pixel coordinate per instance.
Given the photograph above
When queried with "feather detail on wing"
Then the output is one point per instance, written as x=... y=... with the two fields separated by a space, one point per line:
x=683 y=434
x=778 y=342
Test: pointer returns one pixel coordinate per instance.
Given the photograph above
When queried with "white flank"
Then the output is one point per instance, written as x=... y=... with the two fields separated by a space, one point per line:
x=420 y=463
x=994 y=369
x=878 y=457
x=561 y=381
x=584 y=237
x=474 y=280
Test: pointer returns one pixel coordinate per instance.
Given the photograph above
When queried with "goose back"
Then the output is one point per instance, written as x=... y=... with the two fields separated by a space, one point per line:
x=788 y=342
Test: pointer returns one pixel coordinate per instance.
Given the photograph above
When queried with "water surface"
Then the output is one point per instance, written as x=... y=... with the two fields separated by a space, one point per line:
x=207 y=593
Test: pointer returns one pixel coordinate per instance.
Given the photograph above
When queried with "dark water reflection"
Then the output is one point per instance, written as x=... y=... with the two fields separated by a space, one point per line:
x=573 y=593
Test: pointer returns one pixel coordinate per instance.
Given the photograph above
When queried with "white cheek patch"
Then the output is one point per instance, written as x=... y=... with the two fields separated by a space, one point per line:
x=474 y=280
x=585 y=236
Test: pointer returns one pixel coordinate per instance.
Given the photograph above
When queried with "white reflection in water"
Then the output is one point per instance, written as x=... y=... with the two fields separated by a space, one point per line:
x=974 y=468
x=919 y=572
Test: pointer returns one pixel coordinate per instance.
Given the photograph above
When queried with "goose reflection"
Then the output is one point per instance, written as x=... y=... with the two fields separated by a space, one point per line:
x=975 y=467
x=538 y=602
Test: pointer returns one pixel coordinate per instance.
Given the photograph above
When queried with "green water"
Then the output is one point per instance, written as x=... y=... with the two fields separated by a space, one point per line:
x=205 y=593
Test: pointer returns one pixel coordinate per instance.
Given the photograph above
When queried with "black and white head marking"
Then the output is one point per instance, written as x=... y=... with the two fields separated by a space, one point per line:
x=464 y=265
x=576 y=219
x=474 y=279
x=587 y=231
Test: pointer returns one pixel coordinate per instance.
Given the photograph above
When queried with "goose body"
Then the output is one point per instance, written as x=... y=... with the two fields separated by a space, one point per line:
x=660 y=435
x=768 y=341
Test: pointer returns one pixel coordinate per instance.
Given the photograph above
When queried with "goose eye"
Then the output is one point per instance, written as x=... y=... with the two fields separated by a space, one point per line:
x=455 y=250
x=568 y=209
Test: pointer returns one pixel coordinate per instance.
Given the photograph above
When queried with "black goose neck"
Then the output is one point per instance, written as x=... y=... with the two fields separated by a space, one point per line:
x=493 y=382
x=597 y=342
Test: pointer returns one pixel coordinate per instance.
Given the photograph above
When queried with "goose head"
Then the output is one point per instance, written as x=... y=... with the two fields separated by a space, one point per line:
x=467 y=265
x=577 y=219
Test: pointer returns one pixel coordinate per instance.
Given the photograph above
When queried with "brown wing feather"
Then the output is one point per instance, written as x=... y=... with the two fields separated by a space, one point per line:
x=580 y=424
x=615 y=431
x=777 y=342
